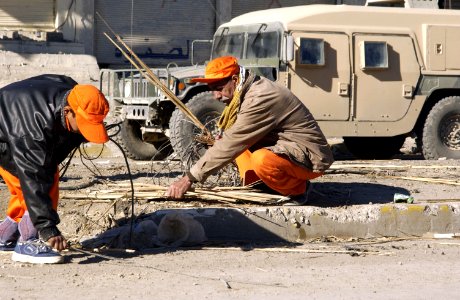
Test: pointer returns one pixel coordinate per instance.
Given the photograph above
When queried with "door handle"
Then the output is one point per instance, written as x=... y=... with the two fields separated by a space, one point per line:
x=343 y=89
x=408 y=91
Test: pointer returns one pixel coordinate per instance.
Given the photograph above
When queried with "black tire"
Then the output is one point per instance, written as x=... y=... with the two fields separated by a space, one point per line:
x=441 y=132
x=374 y=147
x=130 y=139
x=182 y=130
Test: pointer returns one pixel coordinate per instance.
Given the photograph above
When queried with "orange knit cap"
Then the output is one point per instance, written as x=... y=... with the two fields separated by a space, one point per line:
x=90 y=108
x=219 y=68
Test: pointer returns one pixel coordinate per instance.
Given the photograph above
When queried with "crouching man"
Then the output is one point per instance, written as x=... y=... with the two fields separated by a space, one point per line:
x=270 y=134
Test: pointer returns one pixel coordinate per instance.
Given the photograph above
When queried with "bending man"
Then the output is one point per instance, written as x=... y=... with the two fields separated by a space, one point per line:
x=42 y=119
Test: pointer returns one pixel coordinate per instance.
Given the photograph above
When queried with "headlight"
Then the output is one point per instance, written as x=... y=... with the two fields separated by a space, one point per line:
x=127 y=89
x=181 y=86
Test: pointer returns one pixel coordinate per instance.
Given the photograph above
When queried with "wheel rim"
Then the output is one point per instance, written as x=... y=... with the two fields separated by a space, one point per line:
x=449 y=131
x=210 y=121
x=227 y=176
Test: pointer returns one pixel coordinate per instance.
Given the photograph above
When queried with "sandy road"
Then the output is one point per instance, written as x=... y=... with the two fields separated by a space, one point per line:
x=415 y=269
x=412 y=269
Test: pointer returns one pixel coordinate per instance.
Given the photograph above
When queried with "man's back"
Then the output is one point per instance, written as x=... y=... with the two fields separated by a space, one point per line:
x=28 y=107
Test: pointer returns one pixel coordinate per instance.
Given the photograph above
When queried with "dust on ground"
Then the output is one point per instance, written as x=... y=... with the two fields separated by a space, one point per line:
x=321 y=269
x=411 y=269
x=348 y=182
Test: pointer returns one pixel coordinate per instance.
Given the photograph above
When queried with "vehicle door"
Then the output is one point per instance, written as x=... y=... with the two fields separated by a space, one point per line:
x=320 y=74
x=386 y=73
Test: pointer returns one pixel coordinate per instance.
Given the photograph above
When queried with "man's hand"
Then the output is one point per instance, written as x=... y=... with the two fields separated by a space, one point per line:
x=178 y=188
x=57 y=242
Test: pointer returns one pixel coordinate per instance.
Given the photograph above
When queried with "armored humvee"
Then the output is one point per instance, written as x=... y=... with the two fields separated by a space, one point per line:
x=371 y=75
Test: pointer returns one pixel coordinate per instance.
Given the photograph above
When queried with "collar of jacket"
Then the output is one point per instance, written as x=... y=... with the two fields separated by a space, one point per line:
x=63 y=104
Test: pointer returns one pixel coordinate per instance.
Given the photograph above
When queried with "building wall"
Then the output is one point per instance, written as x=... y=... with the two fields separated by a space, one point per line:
x=47 y=36
x=160 y=32
x=75 y=19
x=20 y=14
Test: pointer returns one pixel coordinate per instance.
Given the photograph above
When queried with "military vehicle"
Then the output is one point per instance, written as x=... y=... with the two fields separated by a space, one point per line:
x=371 y=75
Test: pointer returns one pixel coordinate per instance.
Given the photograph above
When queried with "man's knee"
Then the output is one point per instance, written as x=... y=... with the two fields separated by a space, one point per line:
x=259 y=158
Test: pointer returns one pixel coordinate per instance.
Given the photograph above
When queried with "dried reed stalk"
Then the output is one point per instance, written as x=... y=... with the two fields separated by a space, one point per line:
x=150 y=192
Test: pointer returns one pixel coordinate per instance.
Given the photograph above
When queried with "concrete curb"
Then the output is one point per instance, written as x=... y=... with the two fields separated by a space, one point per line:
x=298 y=224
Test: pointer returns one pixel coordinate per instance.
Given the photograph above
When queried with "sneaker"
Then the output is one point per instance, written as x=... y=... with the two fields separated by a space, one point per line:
x=36 y=252
x=7 y=246
x=297 y=200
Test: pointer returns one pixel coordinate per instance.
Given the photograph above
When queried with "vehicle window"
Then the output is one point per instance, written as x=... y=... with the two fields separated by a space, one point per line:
x=374 y=55
x=267 y=72
x=311 y=51
x=262 y=45
x=230 y=44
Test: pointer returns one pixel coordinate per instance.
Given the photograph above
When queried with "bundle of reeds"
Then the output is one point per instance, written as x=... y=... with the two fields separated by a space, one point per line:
x=143 y=191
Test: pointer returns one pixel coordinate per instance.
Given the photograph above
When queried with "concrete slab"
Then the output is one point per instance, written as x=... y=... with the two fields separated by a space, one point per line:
x=298 y=224
x=344 y=203
x=18 y=65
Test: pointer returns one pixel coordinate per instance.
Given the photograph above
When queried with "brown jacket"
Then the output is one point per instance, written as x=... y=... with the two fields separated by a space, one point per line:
x=270 y=116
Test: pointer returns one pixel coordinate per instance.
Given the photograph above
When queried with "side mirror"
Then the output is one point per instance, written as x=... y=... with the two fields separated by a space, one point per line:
x=289 y=49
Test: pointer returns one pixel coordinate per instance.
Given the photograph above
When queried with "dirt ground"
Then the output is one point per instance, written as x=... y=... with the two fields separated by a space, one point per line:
x=418 y=269
x=318 y=269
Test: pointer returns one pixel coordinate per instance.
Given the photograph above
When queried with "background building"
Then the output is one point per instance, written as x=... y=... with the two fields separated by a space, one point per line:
x=66 y=36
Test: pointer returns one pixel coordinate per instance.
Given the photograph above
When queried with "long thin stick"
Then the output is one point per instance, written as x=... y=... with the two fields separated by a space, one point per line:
x=93 y=254
x=339 y=166
x=431 y=180
x=149 y=75
x=297 y=250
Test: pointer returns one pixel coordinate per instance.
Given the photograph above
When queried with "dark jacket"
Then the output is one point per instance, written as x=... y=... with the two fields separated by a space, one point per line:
x=33 y=141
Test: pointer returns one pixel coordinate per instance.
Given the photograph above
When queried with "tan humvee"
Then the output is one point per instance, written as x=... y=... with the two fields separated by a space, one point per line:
x=372 y=75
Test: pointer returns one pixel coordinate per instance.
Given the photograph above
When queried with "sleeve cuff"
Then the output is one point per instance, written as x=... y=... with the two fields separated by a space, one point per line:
x=46 y=233
x=191 y=177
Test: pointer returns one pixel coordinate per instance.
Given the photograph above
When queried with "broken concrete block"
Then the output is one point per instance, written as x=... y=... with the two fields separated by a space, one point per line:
x=177 y=229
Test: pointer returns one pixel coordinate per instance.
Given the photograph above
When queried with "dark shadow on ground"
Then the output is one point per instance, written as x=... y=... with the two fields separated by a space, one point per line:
x=333 y=194
x=224 y=228
x=117 y=255
x=400 y=156
x=341 y=152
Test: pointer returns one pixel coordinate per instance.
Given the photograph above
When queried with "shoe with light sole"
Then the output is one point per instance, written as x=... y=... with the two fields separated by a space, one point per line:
x=36 y=252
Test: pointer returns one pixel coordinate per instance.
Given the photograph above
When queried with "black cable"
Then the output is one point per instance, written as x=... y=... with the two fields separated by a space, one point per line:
x=114 y=125
x=86 y=156
x=132 y=190
x=67 y=164
x=118 y=126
